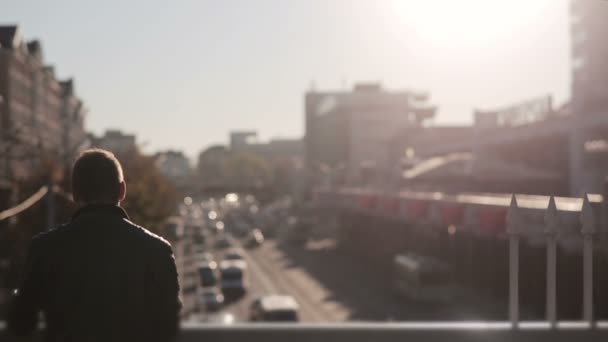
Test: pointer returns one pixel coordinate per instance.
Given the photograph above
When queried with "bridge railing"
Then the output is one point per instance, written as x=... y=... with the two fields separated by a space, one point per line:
x=572 y=223
x=380 y=332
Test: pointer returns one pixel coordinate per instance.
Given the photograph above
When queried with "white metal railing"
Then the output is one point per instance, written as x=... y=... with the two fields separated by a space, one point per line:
x=588 y=228
x=573 y=223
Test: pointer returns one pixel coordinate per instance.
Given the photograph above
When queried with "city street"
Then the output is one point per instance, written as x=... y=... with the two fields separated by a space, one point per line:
x=331 y=287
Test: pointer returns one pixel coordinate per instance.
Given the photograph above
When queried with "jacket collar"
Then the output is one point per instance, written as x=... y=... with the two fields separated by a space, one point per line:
x=104 y=209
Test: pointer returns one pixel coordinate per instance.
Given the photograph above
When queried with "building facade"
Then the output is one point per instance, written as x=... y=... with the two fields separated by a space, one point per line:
x=588 y=27
x=275 y=149
x=175 y=166
x=210 y=166
x=589 y=63
x=115 y=141
x=354 y=130
x=41 y=118
x=75 y=137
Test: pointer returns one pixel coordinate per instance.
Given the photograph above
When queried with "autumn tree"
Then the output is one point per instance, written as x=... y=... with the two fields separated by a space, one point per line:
x=151 y=198
x=246 y=170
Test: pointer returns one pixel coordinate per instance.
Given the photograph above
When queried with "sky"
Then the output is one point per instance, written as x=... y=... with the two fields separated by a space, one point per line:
x=182 y=74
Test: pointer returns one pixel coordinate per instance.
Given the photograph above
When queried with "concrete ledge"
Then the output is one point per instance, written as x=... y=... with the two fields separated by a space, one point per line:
x=409 y=331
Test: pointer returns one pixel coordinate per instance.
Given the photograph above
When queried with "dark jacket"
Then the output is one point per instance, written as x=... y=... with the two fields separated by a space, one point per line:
x=99 y=277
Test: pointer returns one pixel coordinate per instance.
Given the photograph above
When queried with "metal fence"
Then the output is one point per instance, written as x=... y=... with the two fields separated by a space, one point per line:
x=574 y=224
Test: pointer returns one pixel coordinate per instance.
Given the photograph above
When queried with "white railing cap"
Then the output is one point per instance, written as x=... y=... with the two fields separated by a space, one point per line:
x=514 y=217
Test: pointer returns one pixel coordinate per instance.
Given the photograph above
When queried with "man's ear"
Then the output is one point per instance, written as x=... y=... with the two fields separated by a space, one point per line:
x=122 y=192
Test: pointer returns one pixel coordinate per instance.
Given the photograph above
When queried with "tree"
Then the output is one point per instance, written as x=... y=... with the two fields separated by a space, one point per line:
x=151 y=198
x=246 y=170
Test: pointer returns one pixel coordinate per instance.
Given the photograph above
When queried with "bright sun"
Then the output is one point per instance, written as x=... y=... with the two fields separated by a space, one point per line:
x=451 y=23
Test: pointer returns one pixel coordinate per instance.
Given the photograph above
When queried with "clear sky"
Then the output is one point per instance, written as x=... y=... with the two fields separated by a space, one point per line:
x=181 y=74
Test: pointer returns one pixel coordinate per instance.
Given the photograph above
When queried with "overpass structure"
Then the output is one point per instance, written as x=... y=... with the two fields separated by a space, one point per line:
x=557 y=143
x=512 y=248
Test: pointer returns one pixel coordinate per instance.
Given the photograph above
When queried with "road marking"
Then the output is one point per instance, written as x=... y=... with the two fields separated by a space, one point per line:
x=256 y=269
x=309 y=306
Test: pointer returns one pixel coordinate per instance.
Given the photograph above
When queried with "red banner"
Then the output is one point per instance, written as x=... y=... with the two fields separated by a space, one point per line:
x=452 y=214
x=390 y=205
x=493 y=220
x=417 y=209
x=367 y=202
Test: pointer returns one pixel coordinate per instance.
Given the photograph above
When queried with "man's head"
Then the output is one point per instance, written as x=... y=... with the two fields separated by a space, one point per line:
x=97 y=178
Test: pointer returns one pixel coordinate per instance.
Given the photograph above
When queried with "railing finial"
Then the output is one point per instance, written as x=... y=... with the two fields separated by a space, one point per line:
x=551 y=218
x=513 y=217
x=587 y=219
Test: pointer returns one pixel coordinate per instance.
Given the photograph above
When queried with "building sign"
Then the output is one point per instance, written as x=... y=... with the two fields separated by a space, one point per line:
x=527 y=112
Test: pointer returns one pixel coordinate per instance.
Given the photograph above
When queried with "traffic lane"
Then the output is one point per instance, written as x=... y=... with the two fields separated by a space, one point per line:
x=270 y=272
x=362 y=290
x=258 y=284
x=366 y=291
x=297 y=282
x=268 y=278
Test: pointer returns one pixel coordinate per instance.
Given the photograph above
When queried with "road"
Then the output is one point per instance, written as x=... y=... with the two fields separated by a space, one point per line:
x=331 y=287
x=271 y=273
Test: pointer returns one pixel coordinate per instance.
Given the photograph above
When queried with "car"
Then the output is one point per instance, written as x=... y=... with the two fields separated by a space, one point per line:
x=274 y=308
x=199 y=250
x=233 y=255
x=234 y=278
x=241 y=228
x=206 y=256
x=200 y=238
x=208 y=273
x=218 y=227
x=255 y=239
x=211 y=299
x=222 y=242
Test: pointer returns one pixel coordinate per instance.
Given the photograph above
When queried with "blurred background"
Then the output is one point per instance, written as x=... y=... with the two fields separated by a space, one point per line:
x=321 y=161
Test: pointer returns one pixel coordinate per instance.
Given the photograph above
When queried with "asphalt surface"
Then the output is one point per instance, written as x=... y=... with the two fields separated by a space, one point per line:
x=332 y=287
x=268 y=272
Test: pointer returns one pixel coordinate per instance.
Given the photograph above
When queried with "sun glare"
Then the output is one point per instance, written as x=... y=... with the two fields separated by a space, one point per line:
x=450 y=23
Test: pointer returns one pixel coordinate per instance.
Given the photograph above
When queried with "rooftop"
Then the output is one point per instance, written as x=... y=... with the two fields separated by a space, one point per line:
x=9 y=36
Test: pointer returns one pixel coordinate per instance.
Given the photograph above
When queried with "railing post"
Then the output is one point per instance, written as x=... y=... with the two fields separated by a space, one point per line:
x=513 y=229
x=551 y=230
x=588 y=221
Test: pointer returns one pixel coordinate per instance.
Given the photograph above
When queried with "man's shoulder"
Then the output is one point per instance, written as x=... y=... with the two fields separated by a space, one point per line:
x=150 y=237
x=50 y=234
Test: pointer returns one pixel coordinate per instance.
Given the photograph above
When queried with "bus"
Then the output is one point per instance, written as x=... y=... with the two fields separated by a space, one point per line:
x=233 y=274
x=422 y=278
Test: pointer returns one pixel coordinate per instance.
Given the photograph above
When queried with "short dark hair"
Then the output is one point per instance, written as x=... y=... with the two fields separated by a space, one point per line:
x=96 y=176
